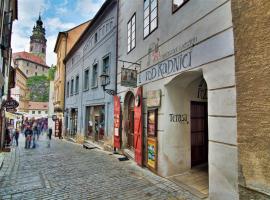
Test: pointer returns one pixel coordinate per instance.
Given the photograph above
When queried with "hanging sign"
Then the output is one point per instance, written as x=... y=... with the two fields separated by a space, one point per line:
x=117 y=122
x=152 y=153
x=11 y=110
x=10 y=103
x=128 y=77
x=153 y=98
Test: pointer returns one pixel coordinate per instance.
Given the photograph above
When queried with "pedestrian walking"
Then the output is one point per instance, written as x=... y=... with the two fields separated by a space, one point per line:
x=28 y=136
x=49 y=137
x=17 y=133
x=34 y=137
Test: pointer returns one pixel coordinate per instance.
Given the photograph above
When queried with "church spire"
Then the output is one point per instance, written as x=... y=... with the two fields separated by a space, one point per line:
x=38 y=40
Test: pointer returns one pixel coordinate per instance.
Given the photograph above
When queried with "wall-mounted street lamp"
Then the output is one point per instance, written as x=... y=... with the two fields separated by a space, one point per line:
x=105 y=80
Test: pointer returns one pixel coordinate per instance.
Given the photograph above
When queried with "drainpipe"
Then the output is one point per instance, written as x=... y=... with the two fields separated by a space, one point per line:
x=64 y=101
x=116 y=57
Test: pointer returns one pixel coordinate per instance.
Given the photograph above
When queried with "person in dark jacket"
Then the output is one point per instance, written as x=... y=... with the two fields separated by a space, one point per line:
x=17 y=133
x=49 y=137
x=28 y=137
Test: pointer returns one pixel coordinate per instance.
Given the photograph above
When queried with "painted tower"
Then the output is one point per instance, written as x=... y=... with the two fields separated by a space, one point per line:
x=38 y=40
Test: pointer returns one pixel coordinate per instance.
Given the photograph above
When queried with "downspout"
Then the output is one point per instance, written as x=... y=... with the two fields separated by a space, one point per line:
x=64 y=100
x=116 y=58
x=116 y=53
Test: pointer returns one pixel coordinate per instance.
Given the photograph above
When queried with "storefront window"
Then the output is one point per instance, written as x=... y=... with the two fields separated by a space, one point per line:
x=95 y=123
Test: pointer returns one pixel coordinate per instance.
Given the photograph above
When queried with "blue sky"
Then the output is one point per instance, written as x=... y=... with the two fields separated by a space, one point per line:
x=57 y=15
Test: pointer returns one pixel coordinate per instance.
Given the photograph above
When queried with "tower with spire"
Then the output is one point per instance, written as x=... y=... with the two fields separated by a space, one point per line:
x=38 y=40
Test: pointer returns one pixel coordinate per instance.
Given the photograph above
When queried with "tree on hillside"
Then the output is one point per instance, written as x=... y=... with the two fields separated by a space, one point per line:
x=39 y=88
x=51 y=72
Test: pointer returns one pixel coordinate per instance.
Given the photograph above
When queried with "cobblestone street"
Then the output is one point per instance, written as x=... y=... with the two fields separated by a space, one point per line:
x=68 y=171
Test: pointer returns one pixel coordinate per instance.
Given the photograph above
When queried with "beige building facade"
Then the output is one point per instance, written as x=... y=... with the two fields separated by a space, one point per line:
x=21 y=92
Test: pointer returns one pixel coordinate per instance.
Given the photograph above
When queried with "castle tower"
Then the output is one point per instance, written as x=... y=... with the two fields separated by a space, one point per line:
x=38 y=40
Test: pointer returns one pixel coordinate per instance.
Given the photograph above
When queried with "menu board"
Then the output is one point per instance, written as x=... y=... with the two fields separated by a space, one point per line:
x=152 y=122
x=152 y=153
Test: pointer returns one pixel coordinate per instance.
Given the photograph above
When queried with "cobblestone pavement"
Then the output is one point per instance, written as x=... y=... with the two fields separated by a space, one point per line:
x=68 y=171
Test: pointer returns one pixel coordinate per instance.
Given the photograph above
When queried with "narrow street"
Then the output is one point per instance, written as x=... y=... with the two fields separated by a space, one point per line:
x=68 y=171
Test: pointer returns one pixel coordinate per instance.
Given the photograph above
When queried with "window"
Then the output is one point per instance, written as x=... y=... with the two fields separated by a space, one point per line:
x=71 y=88
x=95 y=37
x=46 y=112
x=67 y=88
x=35 y=73
x=86 y=79
x=95 y=76
x=150 y=17
x=31 y=48
x=27 y=63
x=43 y=50
x=27 y=71
x=36 y=66
x=33 y=112
x=39 y=112
x=106 y=65
x=131 y=26
x=177 y=4
x=77 y=85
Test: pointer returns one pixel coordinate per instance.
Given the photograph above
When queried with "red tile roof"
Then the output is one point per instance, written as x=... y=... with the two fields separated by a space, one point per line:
x=29 y=56
x=38 y=105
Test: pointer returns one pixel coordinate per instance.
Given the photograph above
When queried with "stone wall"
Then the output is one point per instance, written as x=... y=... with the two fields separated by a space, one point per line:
x=252 y=43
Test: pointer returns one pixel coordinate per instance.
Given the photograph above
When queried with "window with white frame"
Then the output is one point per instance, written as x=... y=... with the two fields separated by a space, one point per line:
x=131 y=31
x=106 y=65
x=177 y=4
x=67 y=88
x=72 y=87
x=86 y=79
x=95 y=76
x=150 y=22
x=77 y=85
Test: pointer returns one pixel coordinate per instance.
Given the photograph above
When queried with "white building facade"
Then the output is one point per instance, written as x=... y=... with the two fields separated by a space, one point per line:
x=184 y=52
x=88 y=108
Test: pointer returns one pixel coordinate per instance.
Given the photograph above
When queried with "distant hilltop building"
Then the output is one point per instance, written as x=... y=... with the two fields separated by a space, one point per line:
x=33 y=63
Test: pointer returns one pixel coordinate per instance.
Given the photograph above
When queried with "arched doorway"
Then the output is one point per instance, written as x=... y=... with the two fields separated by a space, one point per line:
x=186 y=147
x=129 y=121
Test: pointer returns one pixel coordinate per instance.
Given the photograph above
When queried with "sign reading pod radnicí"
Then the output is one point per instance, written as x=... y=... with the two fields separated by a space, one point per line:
x=10 y=103
x=128 y=77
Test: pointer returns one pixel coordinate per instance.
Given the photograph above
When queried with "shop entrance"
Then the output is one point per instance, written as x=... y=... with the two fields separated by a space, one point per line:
x=73 y=123
x=130 y=121
x=199 y=133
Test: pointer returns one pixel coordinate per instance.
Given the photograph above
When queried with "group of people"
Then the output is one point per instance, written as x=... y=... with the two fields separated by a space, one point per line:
x=32 y=129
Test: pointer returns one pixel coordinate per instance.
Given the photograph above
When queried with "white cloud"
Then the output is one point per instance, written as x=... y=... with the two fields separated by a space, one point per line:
x=88 y=7
x=56 y=24
x=50 y=55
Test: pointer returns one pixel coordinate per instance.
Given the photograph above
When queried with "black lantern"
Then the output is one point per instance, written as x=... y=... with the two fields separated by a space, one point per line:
x=105 y=80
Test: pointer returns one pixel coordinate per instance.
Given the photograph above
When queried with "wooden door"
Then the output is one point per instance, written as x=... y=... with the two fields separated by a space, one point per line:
x=117 y=122
x=199 y=133
x=131 y=128
x=138 y=126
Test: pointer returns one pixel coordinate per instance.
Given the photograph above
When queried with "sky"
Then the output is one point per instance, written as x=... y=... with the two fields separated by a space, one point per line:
x=57 y=16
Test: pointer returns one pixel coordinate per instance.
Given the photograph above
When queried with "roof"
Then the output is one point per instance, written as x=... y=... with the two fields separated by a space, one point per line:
x=84 y=34
x=65 y=34
x=29 y=57
x=38 y=105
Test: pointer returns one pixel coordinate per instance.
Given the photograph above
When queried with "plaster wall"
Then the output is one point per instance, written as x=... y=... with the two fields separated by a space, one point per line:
x=208 y=34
